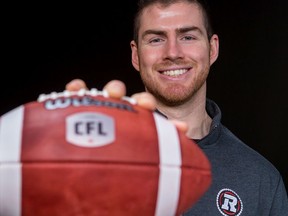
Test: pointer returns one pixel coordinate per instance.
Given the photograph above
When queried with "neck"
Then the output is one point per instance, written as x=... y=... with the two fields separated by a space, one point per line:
x=193 y=113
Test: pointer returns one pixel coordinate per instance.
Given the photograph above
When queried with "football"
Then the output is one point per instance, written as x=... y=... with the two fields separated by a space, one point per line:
x=84 y=153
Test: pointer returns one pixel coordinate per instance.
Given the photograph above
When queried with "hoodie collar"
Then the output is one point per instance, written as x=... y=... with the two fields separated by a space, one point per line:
x=215 y=113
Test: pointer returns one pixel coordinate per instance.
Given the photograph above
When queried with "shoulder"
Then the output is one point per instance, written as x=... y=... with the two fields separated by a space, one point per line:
x=246 y=154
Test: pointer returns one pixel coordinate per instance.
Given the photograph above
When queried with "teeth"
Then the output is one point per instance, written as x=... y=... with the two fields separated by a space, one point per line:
x=175 y=72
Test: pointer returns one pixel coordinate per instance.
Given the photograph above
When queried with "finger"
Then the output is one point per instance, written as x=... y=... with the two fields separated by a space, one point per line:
x=182 y=126
x=115 y=89
x=75 y=85
x=145 y=100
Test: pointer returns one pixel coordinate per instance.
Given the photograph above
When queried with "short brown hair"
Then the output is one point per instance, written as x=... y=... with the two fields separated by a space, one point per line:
x=142 y=4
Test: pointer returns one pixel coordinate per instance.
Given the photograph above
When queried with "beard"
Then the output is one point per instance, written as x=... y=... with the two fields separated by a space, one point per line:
x=174 y=94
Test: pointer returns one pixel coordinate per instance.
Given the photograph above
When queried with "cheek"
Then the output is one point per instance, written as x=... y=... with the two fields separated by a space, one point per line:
x=148 y=57
x=198 y=53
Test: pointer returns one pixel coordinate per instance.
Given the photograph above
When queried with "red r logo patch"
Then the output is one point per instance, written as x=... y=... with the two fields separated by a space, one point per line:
x=229 y=203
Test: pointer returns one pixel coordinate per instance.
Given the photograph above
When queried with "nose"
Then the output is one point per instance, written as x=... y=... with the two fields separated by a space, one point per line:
x=173 y=50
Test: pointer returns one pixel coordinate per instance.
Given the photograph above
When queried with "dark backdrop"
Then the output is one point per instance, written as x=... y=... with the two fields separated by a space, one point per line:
x=45 y=46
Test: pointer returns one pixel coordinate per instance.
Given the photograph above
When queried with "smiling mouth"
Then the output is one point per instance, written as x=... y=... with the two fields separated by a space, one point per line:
x=174 y=73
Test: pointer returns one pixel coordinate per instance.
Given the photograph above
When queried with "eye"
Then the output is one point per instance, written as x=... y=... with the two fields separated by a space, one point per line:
x=188 y=38
x=155 y=40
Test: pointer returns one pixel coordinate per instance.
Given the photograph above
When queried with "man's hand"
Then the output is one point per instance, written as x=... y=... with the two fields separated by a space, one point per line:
x=117 y=89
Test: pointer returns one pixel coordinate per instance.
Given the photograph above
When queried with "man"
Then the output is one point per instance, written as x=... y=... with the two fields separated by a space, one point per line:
x=173 y=50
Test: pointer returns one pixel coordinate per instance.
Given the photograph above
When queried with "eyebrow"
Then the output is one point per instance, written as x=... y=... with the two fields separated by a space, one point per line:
x=190 y=28
x=178 y=30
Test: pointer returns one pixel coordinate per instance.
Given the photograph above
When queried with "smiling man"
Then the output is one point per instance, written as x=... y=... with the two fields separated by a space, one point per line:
x=173 y=49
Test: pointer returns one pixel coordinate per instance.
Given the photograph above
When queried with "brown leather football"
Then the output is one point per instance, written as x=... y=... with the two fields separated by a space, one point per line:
x=83 y=153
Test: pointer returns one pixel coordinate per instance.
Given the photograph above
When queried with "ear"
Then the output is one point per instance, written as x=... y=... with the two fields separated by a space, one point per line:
x=134 y=55
x=214 y=48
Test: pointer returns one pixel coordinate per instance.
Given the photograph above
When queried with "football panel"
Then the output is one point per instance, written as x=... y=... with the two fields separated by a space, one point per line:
x=45 y=139
x=194 y=183
x=88 y=189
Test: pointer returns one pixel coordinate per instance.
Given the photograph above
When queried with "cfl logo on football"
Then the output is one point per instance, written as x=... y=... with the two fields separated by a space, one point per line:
x=89 y=129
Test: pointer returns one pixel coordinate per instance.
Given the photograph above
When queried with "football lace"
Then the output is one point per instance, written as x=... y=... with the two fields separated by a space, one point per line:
x=82 y=92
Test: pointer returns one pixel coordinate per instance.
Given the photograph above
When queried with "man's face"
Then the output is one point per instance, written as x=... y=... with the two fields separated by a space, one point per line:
x=173 y=54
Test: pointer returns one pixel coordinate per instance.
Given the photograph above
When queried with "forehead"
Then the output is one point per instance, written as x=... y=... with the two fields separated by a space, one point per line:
x=174 y=16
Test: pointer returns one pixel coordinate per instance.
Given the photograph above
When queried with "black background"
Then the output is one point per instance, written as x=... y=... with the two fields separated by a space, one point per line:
x=46 y=45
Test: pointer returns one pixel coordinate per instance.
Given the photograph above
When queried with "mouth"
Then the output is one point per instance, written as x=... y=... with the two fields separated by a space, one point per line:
x=174 y=73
